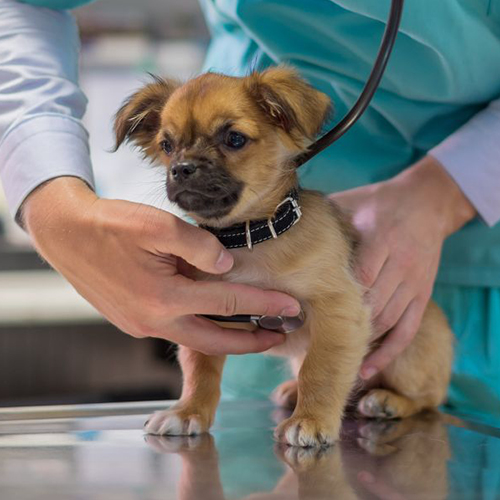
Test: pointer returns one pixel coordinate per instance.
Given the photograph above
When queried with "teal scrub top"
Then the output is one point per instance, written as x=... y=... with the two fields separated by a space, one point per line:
x=444 y=69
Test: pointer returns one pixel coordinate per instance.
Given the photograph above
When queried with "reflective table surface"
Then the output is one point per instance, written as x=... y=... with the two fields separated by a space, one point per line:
x=100 y=452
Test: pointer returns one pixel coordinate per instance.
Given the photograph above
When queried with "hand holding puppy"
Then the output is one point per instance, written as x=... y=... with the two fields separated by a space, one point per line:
x=403 y=223
x=131 y=262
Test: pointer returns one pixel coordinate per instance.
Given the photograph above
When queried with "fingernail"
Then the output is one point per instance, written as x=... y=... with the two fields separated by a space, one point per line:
x=291 y=311
x=224 y=262
x=367 y=373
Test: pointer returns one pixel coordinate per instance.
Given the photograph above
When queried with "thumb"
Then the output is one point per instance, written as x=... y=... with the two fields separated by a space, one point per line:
x=196 y=246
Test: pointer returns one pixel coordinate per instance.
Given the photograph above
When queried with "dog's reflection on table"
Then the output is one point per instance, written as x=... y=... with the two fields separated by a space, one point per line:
x=389 y=460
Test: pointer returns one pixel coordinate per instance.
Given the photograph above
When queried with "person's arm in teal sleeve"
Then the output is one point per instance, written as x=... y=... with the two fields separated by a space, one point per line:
x=41 y=104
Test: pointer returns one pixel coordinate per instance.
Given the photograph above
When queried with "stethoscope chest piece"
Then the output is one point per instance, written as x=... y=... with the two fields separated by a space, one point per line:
x=282 y=324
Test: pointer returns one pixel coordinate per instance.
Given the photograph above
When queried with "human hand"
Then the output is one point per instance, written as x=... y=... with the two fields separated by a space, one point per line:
x=402 y=224
x=130 y=262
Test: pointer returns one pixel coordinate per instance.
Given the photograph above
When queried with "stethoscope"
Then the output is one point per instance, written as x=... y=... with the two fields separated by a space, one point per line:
x=285 y=324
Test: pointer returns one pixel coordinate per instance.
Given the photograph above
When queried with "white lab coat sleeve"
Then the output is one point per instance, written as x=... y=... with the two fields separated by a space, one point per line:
x=41 y=104
x=471 y=156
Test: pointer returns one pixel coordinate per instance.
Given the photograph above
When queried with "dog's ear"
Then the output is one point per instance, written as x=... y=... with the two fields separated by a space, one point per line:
x=138 y=119
x=290 y=102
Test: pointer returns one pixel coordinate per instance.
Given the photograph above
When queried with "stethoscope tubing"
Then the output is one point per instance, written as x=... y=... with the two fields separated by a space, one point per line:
x=371 y=86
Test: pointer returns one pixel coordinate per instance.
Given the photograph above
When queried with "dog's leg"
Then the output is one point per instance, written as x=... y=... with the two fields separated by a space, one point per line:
x=418 y=378
x=195 y=411
x=339 y=331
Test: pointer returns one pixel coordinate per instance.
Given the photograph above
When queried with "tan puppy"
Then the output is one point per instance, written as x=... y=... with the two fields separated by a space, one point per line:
x=227 y=145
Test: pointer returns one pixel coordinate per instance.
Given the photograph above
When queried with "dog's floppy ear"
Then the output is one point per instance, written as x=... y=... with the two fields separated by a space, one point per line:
x=138 y=119
x=290 y=102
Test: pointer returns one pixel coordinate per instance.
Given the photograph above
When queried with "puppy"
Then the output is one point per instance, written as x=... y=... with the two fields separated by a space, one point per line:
x=227 y=145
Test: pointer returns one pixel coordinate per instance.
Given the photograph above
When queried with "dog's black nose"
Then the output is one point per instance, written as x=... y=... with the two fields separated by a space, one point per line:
x=182 y=171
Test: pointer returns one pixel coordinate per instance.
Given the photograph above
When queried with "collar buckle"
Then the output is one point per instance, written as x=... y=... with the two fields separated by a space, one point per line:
x=295 y=208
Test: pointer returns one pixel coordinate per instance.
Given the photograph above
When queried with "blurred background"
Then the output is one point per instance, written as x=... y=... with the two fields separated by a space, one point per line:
x=54 y=347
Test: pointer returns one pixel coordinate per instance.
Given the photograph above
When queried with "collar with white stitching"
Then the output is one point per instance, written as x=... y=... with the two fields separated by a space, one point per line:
x=251 y=233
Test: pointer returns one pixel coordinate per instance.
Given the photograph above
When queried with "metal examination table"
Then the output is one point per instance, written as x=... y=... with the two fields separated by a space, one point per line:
x=99 y=452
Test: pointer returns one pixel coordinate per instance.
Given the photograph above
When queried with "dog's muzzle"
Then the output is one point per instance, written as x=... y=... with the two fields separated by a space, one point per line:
x=183 y=171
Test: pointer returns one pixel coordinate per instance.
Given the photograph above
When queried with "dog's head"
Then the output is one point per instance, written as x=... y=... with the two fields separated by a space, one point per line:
x=226 y=142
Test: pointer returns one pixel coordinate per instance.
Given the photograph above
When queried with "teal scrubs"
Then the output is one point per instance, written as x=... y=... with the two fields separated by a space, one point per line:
x=445 y=68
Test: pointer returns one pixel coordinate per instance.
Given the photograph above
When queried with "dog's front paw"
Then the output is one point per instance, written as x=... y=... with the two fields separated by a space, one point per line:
x=179 y=422
x=307 y=431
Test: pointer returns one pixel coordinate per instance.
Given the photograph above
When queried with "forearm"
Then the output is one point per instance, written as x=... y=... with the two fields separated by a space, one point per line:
x=54 y=208
x=41 y=134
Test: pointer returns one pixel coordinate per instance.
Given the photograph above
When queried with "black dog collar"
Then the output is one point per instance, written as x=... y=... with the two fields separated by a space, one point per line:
x=251 y=233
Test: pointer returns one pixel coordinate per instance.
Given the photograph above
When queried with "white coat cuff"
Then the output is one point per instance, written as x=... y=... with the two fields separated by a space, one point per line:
x=471 y=156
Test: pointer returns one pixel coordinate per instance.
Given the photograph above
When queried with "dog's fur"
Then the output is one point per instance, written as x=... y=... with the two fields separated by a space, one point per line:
x=280 y=115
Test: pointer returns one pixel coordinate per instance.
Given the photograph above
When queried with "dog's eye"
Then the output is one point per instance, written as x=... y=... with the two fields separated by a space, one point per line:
x=166 y=146
x=235 y=140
